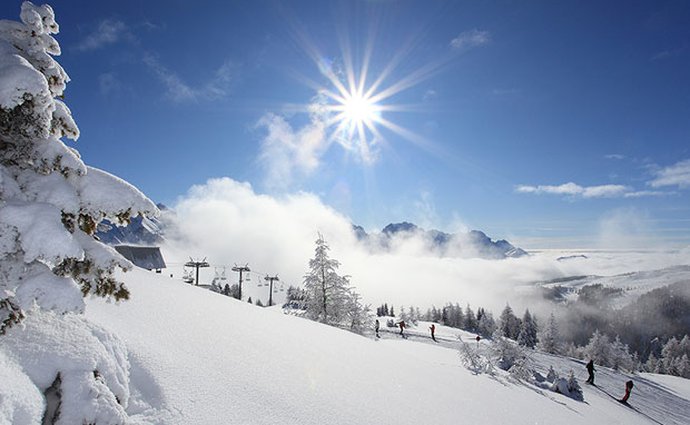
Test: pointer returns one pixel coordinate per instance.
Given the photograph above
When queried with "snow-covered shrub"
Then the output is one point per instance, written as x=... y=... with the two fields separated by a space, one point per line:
x=505 y=352
x=50 y=201
x=551 y=376
x=522 y=368
x=574 y=387
x=568 y=387
x=473 y=360
x=89 y=363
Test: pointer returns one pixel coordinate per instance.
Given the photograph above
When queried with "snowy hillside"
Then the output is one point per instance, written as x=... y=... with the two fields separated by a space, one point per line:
x=200 y=358
x=631 y=285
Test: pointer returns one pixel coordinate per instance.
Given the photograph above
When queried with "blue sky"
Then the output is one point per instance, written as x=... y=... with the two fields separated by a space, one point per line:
x=552 y=124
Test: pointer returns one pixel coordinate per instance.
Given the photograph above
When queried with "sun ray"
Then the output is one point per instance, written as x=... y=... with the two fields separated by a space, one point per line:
x=356 y=98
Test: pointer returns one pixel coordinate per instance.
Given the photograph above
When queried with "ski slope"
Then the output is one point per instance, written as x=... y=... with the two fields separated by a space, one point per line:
x=198 y=357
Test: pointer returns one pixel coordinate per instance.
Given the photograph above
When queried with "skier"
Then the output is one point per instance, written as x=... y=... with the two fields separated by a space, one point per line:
x=433 y=330
x=590 y=370
x=376 y=327
x=402 y=328
x=628 y=389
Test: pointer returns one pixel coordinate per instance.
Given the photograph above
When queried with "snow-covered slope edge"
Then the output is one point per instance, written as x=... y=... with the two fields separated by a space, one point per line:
x=197 y=357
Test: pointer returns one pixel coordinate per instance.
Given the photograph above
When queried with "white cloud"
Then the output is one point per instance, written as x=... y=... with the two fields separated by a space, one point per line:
x=108 y=32
x=643 y=193
x=178 y=90
x=605 y=191
x=677 y=174
x=614 y=156
x=575 y=190
x=469 y=39
x=228 y=222
x=286 y=153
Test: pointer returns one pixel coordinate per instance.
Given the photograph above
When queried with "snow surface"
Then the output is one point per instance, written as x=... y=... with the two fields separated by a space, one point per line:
x=197 y=357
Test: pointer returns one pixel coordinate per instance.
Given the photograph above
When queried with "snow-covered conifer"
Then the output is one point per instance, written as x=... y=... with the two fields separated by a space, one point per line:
x=470 y=320
x=327 y=291
x=599 y=349
x=510 y=324
x=486 y=325
x=412 y=316
x=359 y=315
x=50 y=206
x=669 y=353
x=50 y=201
x=550 y=339
x=651 y=364
x=528 y=331
x=620 y=356
x=329 y=297
x=683 y=366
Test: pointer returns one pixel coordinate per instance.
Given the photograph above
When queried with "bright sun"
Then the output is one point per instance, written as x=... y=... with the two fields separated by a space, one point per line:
x=358 y=109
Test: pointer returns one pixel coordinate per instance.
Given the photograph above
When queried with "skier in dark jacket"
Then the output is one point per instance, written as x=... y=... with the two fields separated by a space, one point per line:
x=590 y=370
x=433 y=331
x=376 y=327
x=402 y=327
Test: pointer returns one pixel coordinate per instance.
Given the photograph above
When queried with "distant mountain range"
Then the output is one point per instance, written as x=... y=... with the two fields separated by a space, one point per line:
x=140 y=231
x=472 y=244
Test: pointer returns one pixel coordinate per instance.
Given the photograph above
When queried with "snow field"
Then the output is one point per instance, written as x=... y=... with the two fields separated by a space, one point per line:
x=199 y=357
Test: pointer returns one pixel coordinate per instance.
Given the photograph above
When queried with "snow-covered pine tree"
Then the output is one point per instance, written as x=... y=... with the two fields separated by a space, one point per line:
x=510 y=324
x=470 y=319
x=412 y=316
x=329 y=295
x=550 y=338
x=620 y=356
x=683 y=366
x=528 y=331
x=50 y=201
x=486 y=325
x=457 y=316
x=669 y=354
x=599 y=349
x=652 y=363
x=50 y=206
x=359 y=315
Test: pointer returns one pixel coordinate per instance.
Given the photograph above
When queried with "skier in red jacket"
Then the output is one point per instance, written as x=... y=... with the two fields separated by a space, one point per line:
x=402 y=327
